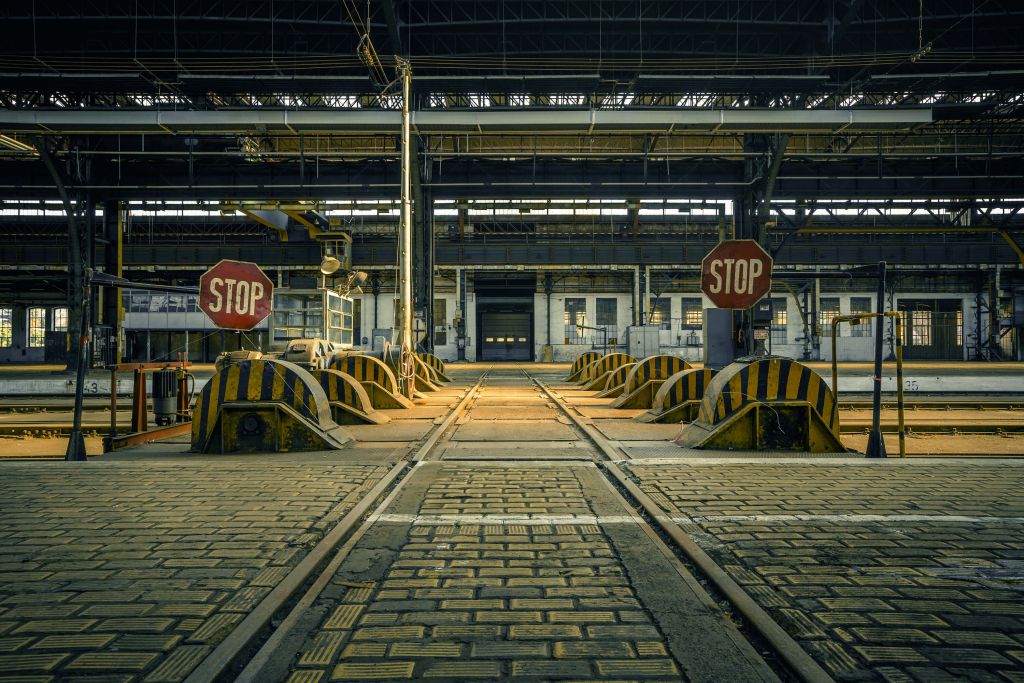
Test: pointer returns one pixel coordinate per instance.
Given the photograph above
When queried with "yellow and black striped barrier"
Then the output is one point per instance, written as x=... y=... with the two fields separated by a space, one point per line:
x=595 y=375
x=766 y=404
x=375 y=376
x=264 y=406
x=679 y=398
x=645 y=378
x=580 y=363
x=350 y=404
x=615 y=381
x=435 y=364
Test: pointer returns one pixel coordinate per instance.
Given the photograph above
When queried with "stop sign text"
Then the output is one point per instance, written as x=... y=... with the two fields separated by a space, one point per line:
x=236 y=295
x=736 y=274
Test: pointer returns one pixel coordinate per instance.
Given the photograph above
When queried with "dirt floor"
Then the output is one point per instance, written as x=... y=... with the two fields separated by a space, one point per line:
x=980 y=445
x=34 y=447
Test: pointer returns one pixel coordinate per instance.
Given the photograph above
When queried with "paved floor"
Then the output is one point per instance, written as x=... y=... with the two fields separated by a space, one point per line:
x=508 y=553
x=122 y=568
x=894 y=570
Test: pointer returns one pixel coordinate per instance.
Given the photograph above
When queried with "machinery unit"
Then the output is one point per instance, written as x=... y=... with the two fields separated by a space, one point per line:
x=350 y=404
x=436 y=364
x=719 y=338
x=165 y=396
x=264 y=405
x=583 y=361
x=679 y=397
x=645 y=378
x=769 y=403
x=595 y=375
x=644 y=340
x=616 y=380
x=375 y=377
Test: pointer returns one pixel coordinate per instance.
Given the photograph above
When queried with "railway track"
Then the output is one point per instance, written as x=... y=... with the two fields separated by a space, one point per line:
x=494 y=565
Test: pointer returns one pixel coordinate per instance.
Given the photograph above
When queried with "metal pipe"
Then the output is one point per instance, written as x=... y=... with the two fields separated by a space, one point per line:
x=405 y=228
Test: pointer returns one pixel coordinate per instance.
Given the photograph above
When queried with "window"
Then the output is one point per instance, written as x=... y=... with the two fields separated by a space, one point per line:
x=36 y=327
x=575 y=315
x=693 y=312
x=828 y=309
x=440 y=322
x=959 y=326
x=780 y=322
x=921 y=328
x=661 y=313
x=6 y=327
x=607 y=319
x=60 y=319
x=357 y=321
x=607 y=313
x=860 y=304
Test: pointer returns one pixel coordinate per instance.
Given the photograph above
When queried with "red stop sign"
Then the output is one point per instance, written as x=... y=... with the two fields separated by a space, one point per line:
x=236 y=295
x=736 y=274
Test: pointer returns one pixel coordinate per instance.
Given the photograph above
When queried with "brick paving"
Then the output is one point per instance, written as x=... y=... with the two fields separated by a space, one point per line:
x=133 y=571
x=489 y=600
x=888 y=571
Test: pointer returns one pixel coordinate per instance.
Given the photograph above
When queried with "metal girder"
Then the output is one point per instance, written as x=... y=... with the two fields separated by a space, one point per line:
x=440 y=122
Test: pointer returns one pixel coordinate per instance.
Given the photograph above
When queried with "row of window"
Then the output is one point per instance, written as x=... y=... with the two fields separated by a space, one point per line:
x=37 y=325
x=692 y=314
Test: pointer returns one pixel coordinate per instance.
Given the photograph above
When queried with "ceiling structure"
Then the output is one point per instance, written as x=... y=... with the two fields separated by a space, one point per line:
x=763 y=104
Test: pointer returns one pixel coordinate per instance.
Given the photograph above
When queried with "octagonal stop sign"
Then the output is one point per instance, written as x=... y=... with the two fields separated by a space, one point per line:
x=736 y=274
x=236 y=295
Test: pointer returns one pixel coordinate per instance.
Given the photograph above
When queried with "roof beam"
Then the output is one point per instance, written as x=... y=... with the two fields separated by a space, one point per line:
x=113 y=121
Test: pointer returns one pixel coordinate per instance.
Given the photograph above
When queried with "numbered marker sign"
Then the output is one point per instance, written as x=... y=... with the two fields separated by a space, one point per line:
x=736 y=274
x=236 y=295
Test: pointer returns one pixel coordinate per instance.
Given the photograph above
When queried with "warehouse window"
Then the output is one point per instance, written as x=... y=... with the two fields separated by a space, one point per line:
x=36 y=327
x=440 y=325
x=780 y=322
x=60 y=319
x=607 y=318
x=661 y=313
x=575 y=315
x=921 y=328
x=693 y=312
x=860 y=304
x=828 y=309
x=6 y=327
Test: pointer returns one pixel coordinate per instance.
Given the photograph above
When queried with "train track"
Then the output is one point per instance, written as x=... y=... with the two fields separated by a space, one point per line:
x=271 y=637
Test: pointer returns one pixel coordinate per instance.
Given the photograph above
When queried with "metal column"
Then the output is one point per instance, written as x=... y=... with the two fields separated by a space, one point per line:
x=405 y=228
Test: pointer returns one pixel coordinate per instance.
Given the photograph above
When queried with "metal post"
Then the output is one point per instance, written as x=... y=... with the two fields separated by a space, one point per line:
x=876 y=443
x=835 y=371
x=76 y=442
x=899 y=381
x=405 y=232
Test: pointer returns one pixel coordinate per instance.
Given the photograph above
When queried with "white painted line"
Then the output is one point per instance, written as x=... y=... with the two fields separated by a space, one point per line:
x=952 y=519
x=506 y=519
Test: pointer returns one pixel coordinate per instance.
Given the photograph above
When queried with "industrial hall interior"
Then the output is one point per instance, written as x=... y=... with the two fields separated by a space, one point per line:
x=512 y=340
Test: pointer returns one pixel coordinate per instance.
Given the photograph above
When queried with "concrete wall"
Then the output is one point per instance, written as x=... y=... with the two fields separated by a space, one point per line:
x=19 y=350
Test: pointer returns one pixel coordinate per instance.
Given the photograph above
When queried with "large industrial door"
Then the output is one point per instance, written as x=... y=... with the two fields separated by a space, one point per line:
x=933 y=329
x=506 y=335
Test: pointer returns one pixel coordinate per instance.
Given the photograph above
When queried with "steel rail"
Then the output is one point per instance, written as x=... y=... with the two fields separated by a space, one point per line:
x=356 y=521
x=788 y=649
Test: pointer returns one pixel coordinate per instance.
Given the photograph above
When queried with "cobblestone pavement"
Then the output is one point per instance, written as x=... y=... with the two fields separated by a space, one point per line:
x=131 y=571
x=890 y=570
x=446 y=586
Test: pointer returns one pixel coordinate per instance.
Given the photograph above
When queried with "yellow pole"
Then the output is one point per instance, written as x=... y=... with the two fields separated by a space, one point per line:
x=835 y=370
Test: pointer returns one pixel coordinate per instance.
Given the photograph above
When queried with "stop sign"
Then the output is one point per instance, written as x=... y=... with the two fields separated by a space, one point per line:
x=236 y=295
x=736 y=274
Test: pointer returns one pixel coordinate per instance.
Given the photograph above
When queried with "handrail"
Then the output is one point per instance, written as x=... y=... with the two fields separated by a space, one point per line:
x=856 y=318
